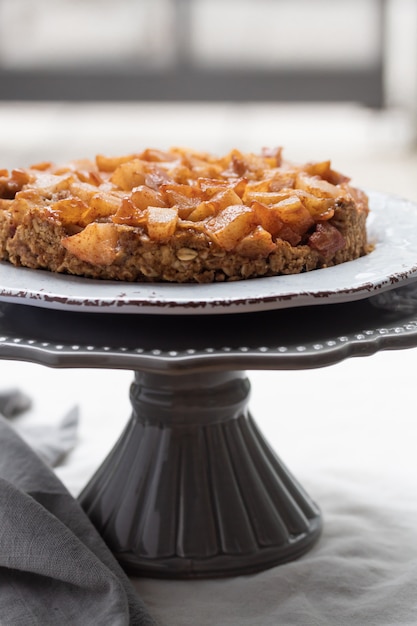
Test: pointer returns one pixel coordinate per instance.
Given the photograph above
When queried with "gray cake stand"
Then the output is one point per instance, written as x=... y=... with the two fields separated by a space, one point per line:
x=192 y=489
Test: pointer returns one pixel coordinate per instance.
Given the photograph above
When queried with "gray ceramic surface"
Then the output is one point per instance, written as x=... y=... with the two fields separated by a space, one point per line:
x=299 y=338
x=192 y=489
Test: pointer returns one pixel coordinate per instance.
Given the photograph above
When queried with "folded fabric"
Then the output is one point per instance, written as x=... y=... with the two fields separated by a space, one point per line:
x=54 y=566
x=51 y=442
x=13 y=402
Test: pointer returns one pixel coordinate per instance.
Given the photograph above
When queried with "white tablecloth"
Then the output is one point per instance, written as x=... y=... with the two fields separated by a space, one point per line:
x=348 y=432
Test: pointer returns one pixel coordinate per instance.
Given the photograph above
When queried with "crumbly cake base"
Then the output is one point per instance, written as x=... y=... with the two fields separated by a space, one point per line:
x=190 y=256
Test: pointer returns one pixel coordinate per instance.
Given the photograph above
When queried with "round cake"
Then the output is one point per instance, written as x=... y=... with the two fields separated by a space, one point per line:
x=179 y=215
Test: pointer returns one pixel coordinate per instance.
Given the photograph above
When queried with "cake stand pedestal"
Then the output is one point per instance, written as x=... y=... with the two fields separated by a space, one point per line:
x=192 y=489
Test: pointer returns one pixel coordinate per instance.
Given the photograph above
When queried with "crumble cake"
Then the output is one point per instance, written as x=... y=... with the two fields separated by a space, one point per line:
x=181 y=216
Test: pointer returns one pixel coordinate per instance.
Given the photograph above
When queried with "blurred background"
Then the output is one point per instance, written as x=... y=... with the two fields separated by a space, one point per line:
x=323 y=78
x=210 y=50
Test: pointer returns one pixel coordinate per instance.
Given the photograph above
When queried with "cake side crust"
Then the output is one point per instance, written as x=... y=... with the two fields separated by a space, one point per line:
x=188 y=257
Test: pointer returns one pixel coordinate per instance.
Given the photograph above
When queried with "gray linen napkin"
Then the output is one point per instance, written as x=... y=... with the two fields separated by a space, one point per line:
x=13 y=402
x=54 y=567
x=51 y=442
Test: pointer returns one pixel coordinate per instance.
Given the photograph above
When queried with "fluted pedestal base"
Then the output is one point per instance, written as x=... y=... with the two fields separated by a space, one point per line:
x=191 y=489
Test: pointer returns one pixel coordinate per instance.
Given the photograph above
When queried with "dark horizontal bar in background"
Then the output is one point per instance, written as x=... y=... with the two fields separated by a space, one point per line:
x=364 y=86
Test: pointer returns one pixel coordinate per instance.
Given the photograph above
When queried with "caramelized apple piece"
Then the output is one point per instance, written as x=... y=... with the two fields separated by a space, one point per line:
x=257 y=244
x=109 y=164
x=219 y=201
x=178 y=193
x=129 y=214
x=316 y=186
x=41 y=166
x=318 y=168
x=212 y=186
x=268 y=217
x=282 y=179
x=104 y=204
x=266 y=197
x=157 y=176
x=231 y=225
x=159 y=156
x=96 y=244
x=294 y=214
x=71 y=211
x=274 y=155
x=326 y=239
x=129 y=175
x=161 y=222
x=83 y=191
x=11 y=184
x=5 y=204
x=319 y=208
x=324 y=170
x=204 y=210
x=143 y=196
